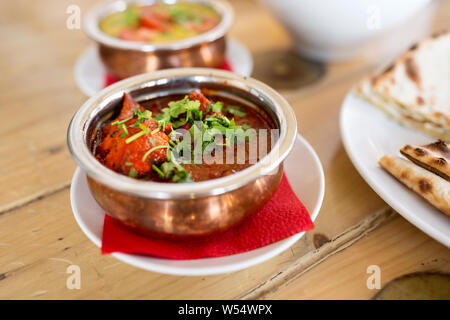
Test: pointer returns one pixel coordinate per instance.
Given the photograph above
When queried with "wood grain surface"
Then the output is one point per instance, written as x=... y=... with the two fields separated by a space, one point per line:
x=39 y=237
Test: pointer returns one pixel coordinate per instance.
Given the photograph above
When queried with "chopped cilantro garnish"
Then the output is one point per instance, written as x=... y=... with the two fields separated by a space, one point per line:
x=133 y=173
x=246 y=126
x=170 y=170
x=181 y=122
x=121 y=121
x=137 y=135
x=131 y=16
x=217 y=107
x=165 y=115
x=235 y=110
x=124 y=129
x=213 y=128
x=153 y=149
x=159 y=172
x=146 y=114
x=162 y=124
x=182 y=177
x=179 y=107
x=179 y=15
x=173 y=134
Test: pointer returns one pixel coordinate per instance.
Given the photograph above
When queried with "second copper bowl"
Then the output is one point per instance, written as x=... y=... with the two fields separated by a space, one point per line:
x=124 y=59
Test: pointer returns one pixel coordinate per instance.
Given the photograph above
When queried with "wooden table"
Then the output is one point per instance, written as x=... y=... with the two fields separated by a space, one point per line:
x=39 y=237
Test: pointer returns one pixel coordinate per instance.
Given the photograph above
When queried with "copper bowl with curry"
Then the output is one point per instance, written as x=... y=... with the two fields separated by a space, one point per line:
x=135 y=37
x=126 y=139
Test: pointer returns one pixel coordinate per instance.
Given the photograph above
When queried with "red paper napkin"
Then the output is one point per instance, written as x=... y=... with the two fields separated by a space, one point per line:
x=109 y=79
x=283 y=216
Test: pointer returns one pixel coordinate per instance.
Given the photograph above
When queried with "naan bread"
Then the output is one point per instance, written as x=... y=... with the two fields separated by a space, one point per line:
x=415 y=90
x=430 y=186
x=434 y=157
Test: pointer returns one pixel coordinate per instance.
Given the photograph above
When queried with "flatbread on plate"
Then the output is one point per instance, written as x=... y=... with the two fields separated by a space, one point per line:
x=415 y=89
x=430 y=186
x=434 y=157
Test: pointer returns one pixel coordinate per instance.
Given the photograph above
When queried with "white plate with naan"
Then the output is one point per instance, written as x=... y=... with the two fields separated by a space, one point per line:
x=368 y=134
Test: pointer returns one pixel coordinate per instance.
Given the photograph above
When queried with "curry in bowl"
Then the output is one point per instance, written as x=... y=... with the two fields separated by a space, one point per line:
x=125 y=147
x=160 y=22
x=178 y=138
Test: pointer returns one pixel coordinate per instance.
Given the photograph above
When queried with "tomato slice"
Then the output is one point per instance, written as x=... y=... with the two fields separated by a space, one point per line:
x=207 y=24
x=137 y=34
x=153 y=22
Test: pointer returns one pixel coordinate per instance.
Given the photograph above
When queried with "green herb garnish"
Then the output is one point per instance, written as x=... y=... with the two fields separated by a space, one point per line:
x=246 y=126
x=212 y=128
x=237 y=111
x=182 y=177
x=124 y=129
x=131 y=16
x=179 y=107
x=121 y=121
x=169 y=170
x=158 y=171
x=142 y=115
x=217 y=107
x=133 y=173
x=151 y=150
x=137 y=135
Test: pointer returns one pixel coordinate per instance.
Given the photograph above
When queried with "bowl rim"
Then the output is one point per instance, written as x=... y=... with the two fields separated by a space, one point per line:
x=92 y=18
x=77 y=135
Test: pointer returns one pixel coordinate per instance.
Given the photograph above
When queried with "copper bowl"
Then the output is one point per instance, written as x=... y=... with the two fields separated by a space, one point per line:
x=186 y=209
x=128 y=58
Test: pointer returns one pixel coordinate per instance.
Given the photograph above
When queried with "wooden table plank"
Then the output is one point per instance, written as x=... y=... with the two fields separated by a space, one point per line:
x=397 y=248
x=38 y=99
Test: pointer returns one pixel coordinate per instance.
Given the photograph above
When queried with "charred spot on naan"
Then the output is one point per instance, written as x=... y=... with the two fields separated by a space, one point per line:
x=439 y=33
x=431 y=187
x=404 y=175
x=420 y=101
x=412 y=71
x=433 y=157
x=425 y=185
x=440 y=147
x=440 y=161
x=385 y=73
x=420 y=152
x=414 y=47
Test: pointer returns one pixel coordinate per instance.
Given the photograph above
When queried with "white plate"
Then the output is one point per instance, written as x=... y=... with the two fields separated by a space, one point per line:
x=89 y=72
x=368 y=134
x=305 y=175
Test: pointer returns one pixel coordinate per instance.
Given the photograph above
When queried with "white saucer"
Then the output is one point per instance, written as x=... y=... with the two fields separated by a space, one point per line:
x=368 y=134
x=305 y=174
x=89 y=72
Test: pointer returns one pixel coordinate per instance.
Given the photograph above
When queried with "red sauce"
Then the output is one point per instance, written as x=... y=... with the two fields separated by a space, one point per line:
x=138 y=148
